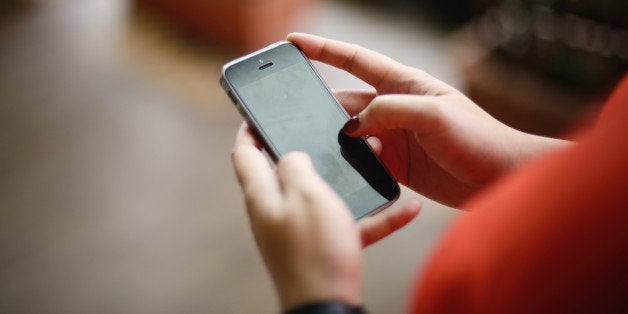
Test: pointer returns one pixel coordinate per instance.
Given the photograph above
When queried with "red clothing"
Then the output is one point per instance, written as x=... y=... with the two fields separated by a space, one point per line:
x=550 y=238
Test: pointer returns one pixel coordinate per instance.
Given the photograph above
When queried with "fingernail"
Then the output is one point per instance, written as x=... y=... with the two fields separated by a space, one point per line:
x=352 y=125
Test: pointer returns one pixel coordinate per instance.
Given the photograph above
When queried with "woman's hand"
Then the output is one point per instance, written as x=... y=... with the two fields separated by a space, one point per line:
x=306 y=235
x=432 y=138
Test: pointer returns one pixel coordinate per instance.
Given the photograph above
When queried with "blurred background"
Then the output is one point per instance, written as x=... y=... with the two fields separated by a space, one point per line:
x=116 y=188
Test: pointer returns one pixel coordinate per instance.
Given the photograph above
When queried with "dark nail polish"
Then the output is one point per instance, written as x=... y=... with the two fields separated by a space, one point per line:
x=352 y=125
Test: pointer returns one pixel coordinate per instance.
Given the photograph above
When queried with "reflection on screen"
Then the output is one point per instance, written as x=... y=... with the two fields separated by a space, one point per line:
x=297 y=113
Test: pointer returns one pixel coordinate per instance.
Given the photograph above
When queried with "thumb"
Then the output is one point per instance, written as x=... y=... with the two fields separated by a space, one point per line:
x=417 y=113
x=379 y=226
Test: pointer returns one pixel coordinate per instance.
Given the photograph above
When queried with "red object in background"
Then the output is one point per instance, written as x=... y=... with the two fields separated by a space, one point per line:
x=241 y=25
x=549 y=238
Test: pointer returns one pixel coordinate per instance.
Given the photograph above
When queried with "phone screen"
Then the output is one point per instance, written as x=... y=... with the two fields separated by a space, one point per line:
x=292 y=109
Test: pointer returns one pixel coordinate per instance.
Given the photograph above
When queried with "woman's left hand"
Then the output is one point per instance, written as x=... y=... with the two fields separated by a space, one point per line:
x=305 y=233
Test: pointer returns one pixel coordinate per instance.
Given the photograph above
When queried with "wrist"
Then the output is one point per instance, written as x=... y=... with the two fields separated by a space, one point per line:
x=532 y=146
x=339 y=281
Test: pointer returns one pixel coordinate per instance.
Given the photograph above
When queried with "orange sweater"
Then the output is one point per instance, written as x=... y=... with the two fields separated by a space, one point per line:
x=550 y=238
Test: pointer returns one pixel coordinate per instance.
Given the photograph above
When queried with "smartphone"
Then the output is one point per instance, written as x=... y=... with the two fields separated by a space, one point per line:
x=289 y=108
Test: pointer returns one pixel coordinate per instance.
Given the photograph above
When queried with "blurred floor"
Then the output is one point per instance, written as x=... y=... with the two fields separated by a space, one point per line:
x=116 y=188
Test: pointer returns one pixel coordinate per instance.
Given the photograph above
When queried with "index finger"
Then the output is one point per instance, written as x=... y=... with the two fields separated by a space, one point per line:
x=375 y=69
x=256 y=177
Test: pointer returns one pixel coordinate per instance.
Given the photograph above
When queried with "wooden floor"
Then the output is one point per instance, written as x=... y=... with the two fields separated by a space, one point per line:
x=116 y=188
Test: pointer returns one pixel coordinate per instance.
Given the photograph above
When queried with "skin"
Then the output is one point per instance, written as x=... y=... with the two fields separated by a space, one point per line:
x=432 y=138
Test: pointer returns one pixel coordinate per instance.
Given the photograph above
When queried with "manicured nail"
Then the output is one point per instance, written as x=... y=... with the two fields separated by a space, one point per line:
x=352 y=125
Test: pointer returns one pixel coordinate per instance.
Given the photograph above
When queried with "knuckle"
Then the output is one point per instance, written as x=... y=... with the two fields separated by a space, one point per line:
x=253 y=192
x=292 y=159
x=377 y=109
x=310 y=193
x=257 y=201
x=377 y=105
x=433 y=108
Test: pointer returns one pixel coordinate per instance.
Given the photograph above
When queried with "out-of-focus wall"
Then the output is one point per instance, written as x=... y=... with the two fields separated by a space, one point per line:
x=116 y=188
x=241 y=25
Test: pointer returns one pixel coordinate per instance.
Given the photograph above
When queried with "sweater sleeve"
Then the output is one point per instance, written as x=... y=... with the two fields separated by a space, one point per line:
x=550 y=238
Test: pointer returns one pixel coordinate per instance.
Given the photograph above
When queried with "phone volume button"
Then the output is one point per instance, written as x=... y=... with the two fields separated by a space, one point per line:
x=233 y=99
x=240 y=109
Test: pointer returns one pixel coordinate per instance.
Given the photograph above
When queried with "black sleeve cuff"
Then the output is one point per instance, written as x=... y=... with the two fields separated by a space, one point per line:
x=331 y=307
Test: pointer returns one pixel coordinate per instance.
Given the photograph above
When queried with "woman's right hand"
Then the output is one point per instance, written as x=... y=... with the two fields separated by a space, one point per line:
x=433 y=139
